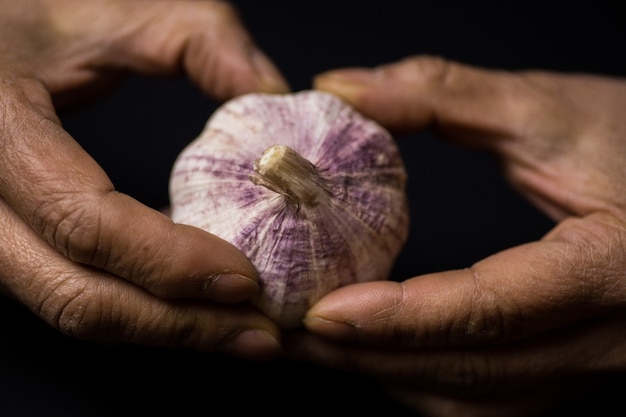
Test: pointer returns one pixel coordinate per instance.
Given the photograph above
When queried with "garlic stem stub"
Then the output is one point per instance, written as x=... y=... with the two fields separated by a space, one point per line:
x=313 y=192
x=283 y=170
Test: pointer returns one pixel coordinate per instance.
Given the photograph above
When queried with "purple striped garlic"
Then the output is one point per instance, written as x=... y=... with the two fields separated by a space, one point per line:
x=309 y=189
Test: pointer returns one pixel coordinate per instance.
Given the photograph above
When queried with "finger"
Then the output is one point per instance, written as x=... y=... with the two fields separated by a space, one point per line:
x=588 y=349
x=206 y=39
x=471 y=104
x=66 y=197
x=573 y=274
x=89 y=304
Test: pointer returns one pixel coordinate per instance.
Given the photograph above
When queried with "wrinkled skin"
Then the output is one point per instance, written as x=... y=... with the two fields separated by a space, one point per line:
x=523 y=329
x=92 y=262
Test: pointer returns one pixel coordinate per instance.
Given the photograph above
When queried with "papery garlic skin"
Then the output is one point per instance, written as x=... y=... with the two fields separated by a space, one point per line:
x=351 y=232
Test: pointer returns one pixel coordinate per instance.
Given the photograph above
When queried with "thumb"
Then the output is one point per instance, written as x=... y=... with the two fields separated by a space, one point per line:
x=508 y=296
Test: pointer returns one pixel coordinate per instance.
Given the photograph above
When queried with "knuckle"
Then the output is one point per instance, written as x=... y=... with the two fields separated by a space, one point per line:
x=594 y=271
x=71 y=223
x=435 y=68
x=225 y=10
x=489 y=316
x=431 y=64
x=77 y=320
x=73 y=308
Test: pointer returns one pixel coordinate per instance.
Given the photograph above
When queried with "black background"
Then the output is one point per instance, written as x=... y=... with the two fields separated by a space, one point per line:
x=462 y=210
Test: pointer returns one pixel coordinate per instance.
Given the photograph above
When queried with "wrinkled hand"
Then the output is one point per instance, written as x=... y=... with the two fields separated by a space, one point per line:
x=94 y=263
x=523 y=328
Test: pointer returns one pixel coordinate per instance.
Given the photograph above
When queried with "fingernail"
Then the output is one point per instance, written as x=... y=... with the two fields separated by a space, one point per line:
x=348 y=76
x=253 y=344
x=271 y=79
x=331 y=329
x=230 y=288
x=350 y=84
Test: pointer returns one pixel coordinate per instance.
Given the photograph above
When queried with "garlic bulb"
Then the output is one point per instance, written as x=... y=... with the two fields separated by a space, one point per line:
x=309 y=189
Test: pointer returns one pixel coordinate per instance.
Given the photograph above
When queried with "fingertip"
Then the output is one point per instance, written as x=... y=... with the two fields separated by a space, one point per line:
x=359 y=314
x=271 y=80
x=183 y=261
x=332 y=329
x=348 y=83
x=353 y=75
x=377 y=94
x=230 y=288
x=254 y=344
x=347 y=313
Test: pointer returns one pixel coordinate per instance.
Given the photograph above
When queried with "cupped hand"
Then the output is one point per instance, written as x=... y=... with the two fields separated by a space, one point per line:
x=92 y=262
x=527 y=327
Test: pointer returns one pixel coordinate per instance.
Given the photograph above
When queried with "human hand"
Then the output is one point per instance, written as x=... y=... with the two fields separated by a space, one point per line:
x=525 y=328
x=92 y=262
